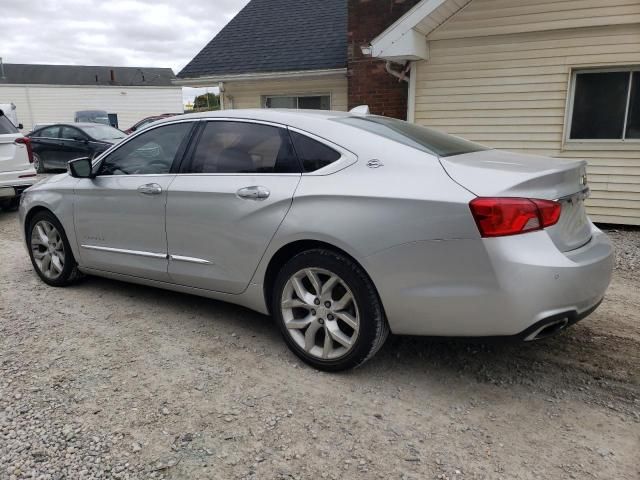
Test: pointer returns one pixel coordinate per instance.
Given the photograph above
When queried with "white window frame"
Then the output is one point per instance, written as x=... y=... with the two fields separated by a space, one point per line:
x=297 y=96
x=570 y=104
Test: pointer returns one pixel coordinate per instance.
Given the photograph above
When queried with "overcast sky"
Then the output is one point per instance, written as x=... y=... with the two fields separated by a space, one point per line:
x=141 y=33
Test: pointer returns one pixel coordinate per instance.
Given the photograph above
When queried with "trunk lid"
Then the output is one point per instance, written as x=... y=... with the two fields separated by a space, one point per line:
x=494 y=173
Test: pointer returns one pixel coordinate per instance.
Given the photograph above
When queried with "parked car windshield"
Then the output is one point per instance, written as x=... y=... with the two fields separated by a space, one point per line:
x=425 y=139
x=103 y=132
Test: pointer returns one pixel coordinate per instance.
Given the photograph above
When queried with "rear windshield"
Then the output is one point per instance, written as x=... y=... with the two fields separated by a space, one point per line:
x=103 y=132
x=6 y=126
x=422 y=138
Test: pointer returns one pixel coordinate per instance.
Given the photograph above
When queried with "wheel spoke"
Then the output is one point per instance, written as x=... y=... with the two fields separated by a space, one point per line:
x=295 y=303
x=56 y=263
x=300 y=323
x=38 y=255
x=327 y=347
x=301 y=291
x=343 y=302
x=338 y=336
x=46 y=263
x=42 y=236
x=315 y=281
x=327 y=288
x=310 y=336
x=348 y=319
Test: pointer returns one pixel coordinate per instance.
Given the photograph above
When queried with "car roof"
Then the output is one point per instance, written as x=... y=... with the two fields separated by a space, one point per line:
x=276 y=115
x=72 y=124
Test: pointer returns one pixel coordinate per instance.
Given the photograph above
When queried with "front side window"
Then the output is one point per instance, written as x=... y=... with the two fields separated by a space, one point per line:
x=606 y=106
x=151 y=153
x=239 y=147
x=49 y=132
x=306 y=102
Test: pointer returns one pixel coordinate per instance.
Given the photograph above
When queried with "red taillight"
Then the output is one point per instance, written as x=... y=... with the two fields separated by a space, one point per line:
x=499 y=217
x=26 y=141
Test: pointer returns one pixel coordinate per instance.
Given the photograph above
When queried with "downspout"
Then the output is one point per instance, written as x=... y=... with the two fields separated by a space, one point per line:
x=400 y=75
x=411 y=100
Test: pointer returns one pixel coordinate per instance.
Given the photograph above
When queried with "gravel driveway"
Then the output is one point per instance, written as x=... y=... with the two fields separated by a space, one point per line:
x=111 y=380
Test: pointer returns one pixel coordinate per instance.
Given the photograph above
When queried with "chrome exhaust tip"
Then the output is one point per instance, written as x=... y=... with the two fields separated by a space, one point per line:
x=548 y=329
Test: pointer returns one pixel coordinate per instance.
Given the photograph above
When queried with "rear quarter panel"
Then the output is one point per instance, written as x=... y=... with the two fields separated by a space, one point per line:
x=364 y=210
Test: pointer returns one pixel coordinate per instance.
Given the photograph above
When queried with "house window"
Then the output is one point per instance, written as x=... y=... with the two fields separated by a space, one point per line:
x=606 y=105
x=309 y=102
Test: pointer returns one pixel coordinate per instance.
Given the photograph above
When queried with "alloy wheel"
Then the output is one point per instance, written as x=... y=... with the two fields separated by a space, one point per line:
x=320 y=313
x=48 y=249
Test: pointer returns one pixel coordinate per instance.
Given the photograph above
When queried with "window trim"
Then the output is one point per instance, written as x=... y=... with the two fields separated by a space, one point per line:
x=568 y=141
x=297 y=96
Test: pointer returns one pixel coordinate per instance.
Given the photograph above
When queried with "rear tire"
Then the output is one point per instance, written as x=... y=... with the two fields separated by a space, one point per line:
x=37 y=164
x=50 y=252
x=328 y=310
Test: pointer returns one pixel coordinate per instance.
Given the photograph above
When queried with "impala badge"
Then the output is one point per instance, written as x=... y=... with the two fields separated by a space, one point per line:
x=375 y=164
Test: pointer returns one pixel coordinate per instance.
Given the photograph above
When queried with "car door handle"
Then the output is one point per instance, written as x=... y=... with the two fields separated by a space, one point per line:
x=150 y=189
x=253 y=193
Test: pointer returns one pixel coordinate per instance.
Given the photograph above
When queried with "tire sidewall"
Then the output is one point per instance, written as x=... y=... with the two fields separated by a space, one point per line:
x=69 y=260
x=39 y=166
x=365 y=296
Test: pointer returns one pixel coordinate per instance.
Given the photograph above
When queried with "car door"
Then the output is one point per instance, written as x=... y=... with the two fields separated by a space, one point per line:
x=73 y=144
x=46 y=144
x=233 y=191
x=120 y=214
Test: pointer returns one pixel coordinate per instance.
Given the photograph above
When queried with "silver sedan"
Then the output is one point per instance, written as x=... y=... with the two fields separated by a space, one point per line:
x=343 y=227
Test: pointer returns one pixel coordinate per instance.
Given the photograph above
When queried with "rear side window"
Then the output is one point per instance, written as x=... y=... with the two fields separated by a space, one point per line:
x=312 y=154
x=240 y=147
x=49 y=132
x=6 y=126
x=422 y=138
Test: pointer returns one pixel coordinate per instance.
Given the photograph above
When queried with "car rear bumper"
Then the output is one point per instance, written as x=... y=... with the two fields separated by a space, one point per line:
x=14 y=183
x=496 y=287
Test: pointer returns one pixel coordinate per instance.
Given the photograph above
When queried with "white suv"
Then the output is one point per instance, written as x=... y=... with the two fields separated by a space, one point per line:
x=16 y=158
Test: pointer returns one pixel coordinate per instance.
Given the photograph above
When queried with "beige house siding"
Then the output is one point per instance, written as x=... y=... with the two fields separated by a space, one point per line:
x=249 y=94
x=510 y=90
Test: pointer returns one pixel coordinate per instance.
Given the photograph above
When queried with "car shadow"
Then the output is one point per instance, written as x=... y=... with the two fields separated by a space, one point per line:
x=577 y=359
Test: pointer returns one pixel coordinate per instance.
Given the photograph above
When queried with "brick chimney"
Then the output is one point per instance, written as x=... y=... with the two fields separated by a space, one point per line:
x=369 y=82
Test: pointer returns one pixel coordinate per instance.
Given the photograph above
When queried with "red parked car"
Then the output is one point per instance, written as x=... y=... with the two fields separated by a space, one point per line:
x=146 y=121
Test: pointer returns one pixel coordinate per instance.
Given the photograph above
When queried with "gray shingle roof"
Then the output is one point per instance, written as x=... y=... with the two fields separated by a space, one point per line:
x=277 y=36
x=15 y=73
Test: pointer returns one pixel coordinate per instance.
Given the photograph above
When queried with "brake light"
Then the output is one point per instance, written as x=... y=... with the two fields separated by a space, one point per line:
x=26 y=141
x=499 y=217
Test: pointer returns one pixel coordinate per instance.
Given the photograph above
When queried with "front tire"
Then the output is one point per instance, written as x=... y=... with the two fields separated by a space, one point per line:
x=328 y=310
x=50 y=251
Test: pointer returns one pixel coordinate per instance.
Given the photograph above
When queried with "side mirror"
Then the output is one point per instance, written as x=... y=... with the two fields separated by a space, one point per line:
x=80 y=168
x=20 y=126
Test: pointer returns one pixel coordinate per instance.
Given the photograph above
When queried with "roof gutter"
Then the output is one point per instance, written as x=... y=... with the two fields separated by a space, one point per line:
x=246 y=77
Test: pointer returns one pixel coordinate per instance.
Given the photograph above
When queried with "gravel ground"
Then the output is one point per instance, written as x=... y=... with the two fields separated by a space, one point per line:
x=110 y=380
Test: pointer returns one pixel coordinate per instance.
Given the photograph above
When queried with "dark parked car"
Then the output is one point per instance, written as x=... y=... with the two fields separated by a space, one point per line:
x=54 y=145
x=148 y=121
